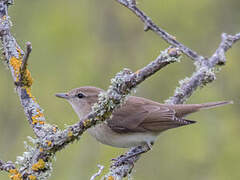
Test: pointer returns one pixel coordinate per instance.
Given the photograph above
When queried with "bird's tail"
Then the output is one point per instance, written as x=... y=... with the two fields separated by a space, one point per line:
x=213 y=104
x=185 y=109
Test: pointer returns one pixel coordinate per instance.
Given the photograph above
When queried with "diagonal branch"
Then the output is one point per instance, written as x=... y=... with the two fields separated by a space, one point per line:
x=23 y=80
x=98 y=173
x=204 y=73
x=150 y=25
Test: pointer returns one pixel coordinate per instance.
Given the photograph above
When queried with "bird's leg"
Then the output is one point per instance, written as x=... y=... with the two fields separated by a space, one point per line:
x=133 y=153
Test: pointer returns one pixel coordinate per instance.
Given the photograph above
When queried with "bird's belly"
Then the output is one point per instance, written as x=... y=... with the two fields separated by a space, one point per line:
x=124 y=140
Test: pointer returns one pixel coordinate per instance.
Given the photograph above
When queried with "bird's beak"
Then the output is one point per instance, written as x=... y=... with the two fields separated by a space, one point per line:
x=62 y=95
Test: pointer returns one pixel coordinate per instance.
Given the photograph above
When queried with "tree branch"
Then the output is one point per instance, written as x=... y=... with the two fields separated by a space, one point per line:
x=150 y=25
x=204 y=73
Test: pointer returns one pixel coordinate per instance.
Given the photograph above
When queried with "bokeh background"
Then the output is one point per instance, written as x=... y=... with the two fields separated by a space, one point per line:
x=77 y=43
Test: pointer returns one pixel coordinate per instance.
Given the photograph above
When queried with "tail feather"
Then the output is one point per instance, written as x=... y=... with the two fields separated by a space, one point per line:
x=213 y=104
x=183 y=110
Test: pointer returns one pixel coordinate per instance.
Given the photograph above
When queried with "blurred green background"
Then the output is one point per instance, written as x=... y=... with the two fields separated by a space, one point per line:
x=77 y=43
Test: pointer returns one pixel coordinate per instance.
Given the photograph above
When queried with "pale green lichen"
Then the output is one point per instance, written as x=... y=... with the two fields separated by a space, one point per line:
x=25 y=162
x=209 y=75
x=200 y=78
x=179 y=91
x=108 y=101
x=117 y=173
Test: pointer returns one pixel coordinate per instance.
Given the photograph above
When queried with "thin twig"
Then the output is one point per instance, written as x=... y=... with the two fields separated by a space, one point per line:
x=26 y=56
x=150 y=25
x=204 y=73
x=98 y=173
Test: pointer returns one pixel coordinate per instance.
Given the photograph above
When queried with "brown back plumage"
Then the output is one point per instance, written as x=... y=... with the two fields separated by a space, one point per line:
x=141 y=115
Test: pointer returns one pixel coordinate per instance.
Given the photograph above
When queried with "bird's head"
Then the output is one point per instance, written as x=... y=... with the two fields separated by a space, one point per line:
x=81 y=99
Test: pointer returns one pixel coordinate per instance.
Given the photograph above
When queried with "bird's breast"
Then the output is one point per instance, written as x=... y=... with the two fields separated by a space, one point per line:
x=104 y=134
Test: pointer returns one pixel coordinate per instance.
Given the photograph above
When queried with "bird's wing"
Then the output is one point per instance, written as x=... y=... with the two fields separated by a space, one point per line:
x=141 y=115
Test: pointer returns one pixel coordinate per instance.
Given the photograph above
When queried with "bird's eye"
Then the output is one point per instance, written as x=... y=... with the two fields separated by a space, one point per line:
x=80 y=95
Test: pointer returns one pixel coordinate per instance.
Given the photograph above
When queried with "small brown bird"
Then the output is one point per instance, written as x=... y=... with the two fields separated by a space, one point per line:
x=137 y=122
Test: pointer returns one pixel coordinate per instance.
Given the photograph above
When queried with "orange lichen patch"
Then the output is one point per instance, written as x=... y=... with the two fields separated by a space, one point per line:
x=70 y=133
x=41 y=122
x=39 y=165
x=34 y=121
x=15 y=175
x=36 y=117
x=26 y=78
x=110 y=178
x=32 y=177
x=40 y=113
x=49 y=143
x=16 y=64
x=13 y=171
